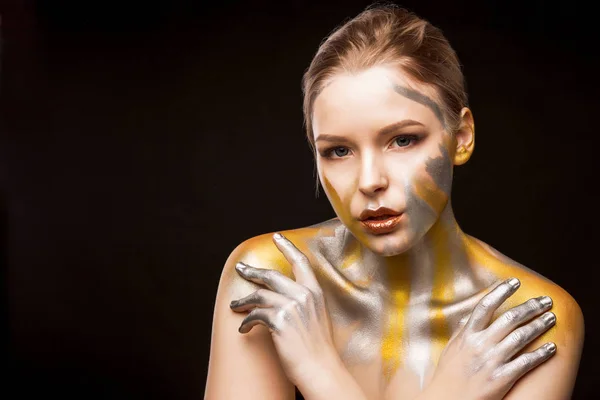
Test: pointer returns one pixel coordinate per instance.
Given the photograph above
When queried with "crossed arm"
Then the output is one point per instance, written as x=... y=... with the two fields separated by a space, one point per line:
x=249 y=365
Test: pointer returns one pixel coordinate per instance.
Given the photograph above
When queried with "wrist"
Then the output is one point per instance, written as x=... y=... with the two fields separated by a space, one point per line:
x=443 y=389
x=329 y=379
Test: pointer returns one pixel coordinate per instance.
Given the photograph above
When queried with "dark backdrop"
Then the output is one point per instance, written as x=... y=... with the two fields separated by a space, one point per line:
x=141 y=142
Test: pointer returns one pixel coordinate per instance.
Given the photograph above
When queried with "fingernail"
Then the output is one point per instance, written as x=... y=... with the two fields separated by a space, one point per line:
x=514 y=282
x=549 y=318
x=278 y=236
x=551 y=347
x=233 y=303
x=545 y=300
x=240 y=266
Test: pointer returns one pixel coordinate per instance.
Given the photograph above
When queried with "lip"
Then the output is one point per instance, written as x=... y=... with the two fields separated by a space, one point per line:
x=383 y=225
x=377 y=213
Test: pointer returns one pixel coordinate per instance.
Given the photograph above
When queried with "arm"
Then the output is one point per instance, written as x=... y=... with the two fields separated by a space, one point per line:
x=298 y=331
x=331 y=380
x=554 y=380
x=241 y=366
x=485 y=359
x=247 y=366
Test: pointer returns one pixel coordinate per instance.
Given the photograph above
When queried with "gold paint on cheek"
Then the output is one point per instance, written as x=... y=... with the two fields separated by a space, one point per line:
x=428 y=191
x=342 y=210
x=336 y=202
x=442 y=292
x=392 y=350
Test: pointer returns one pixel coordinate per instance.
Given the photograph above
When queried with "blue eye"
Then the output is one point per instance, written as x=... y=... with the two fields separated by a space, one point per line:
x=403 y=141
x=340 y=151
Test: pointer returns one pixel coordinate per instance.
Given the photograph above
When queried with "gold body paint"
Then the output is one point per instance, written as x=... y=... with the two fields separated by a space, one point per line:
x=369 y=302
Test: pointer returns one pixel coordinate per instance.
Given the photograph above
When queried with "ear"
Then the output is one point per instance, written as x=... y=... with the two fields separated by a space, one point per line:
x=464 y=137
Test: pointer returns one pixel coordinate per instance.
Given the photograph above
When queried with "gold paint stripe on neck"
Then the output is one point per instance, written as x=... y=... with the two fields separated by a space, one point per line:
x=442 y=292
x=353 y=254
x=392 y=351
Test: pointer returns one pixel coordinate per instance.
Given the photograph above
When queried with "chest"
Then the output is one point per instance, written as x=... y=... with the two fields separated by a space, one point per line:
x=390 y=347
x=391 y=344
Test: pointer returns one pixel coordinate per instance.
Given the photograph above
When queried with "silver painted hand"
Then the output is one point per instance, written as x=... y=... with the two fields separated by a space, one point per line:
x=478 y=361
x=293 y=311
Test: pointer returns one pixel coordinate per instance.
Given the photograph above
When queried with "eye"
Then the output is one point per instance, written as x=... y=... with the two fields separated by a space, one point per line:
x=336 y=152
x=405 y=141
x=340 y=151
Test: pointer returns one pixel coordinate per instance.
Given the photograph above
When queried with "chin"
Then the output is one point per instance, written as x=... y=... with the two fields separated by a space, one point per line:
x=390 y=244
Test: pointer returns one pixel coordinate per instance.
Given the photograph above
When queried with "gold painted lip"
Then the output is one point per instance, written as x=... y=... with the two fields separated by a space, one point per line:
x=381 y=226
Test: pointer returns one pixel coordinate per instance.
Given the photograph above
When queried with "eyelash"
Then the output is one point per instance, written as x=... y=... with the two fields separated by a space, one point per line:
x=328 y=153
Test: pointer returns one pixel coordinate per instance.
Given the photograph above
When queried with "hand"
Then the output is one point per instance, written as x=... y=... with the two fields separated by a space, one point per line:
x=293 y=311
x=476 y=363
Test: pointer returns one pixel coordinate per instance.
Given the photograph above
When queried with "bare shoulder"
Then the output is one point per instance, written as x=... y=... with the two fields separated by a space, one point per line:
x=251 y=357
x=555 y=378
x=261 y=252
x=570 y=324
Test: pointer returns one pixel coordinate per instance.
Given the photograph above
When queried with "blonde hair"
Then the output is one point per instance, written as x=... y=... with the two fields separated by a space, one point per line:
x=387 y=34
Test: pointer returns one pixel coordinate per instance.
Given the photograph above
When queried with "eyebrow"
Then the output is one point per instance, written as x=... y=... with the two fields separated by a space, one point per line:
x=381 y=132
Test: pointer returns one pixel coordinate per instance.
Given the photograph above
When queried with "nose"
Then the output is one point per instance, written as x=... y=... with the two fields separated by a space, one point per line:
x=373 y=178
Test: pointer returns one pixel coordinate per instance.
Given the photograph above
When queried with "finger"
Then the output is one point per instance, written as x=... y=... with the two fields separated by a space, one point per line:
x=518 y=339
x=274 y=280
x=484 y=310
x=275 y=319
x=515 y=317
x=261 y=298
x=459 y=328
x=525 y=363
x=300 y=264
x=259 y=316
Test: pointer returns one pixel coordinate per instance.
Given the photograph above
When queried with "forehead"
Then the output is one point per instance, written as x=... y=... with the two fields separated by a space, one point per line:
x=371 y=99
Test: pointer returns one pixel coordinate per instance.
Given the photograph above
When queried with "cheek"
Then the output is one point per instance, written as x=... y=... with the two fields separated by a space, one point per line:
x=340 y=188
x=432 y=182
x=336 y=185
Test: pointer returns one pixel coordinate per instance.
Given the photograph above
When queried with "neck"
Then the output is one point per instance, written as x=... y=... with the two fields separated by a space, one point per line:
x=435 y=269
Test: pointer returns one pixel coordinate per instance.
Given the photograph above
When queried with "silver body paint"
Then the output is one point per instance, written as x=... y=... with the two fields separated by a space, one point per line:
x=362 y=310
x=358 y=292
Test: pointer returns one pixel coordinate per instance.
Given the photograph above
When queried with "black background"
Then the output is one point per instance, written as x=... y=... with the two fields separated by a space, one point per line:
x=141 y=142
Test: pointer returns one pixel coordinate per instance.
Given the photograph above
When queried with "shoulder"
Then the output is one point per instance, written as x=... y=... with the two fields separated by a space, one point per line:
x=252 y=356
x=555 y=378
x=569 y=327
x=261 y=252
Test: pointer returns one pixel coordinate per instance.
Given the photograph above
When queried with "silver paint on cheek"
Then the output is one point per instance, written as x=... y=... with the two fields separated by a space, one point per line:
x=421 y=215
x=440 y=170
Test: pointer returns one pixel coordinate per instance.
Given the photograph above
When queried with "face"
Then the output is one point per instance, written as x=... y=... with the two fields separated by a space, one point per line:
x=382 y=143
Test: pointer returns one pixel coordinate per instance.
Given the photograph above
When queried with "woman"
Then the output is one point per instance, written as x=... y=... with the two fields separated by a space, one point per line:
x=390 y=299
